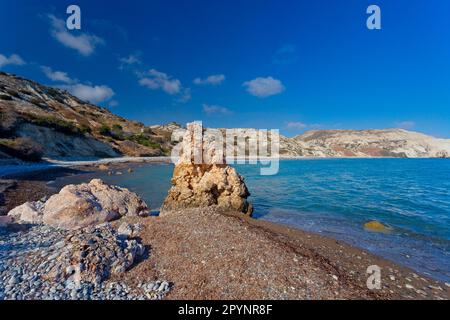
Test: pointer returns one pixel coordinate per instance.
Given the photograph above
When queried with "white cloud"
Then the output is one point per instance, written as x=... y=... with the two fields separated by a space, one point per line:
x=113 y=103
x=157 y=80
x=93 y=94
x=13 y=59
x=131 y=59
x=214 y=109
x=84 y=43
x=87 y=92
x=185 y=96
x=405 y=124
x=296 y=125
x=264 y=87
x=214 y=80
x=301 y=125
x=57 y=76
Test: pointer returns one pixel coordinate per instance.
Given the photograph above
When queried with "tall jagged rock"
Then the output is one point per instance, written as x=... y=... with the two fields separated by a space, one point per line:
x=202 y=178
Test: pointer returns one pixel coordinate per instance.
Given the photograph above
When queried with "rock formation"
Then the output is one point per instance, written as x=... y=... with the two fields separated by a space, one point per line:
x=93 y=254
x=78 y=206
x=29 y=212
x=208 y=182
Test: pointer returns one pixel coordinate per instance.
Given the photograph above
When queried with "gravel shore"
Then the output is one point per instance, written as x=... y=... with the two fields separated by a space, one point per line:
x=208 y=255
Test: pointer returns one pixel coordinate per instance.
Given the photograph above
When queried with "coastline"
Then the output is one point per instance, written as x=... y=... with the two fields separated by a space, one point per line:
x=7 y=171
x=334 y=258
x=51 y=164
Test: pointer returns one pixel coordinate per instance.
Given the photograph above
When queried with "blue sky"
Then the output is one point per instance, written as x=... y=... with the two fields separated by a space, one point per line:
x=292 y=65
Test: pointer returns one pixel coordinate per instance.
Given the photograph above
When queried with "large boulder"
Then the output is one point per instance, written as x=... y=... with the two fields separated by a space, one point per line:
x=92 y=255
x=79 y=206
x=29 y=212
x=206 y=184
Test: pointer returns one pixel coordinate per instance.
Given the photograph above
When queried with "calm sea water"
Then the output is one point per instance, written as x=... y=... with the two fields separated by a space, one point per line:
x=335 y=197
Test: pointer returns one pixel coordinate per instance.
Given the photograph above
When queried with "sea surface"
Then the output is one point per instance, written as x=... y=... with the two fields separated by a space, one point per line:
x=335 y=197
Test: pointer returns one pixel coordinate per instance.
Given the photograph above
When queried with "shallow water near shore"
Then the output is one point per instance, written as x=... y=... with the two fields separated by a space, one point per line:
x=335 y=197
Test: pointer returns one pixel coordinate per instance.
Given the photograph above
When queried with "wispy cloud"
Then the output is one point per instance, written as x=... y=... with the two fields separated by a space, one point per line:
x=214 y=109
x=287 y=54
x=92 y=94
x=214 y=80
x=405 y=124
x=264 y=87
x=57 y=76
x=113 y=103
x=157 y=80
x=86 y=92
x=186 y=95
x=131 y=59
x=108 y=27
x=13 y=59
x=83 y=43
x=298 y=125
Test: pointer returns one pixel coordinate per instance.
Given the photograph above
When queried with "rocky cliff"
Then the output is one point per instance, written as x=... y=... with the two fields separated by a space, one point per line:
x=365 y=143
x=396 y=143
x=37 y=120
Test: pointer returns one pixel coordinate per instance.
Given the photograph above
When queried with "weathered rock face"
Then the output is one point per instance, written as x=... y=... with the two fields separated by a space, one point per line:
x=29 y=212
x=78 y=206
x=207 y=185
x=63 y=126
x=93 y=254
x=210 y=183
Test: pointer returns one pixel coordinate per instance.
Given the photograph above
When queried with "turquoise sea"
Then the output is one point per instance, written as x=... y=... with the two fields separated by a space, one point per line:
x=335 y=197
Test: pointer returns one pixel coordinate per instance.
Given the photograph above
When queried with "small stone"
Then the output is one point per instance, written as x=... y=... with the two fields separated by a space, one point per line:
x=164 y=286
x=421 y=292
x=408 y=286
x=13 y=280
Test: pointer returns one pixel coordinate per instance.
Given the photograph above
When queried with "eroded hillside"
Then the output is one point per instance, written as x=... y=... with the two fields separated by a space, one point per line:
x=37 y=120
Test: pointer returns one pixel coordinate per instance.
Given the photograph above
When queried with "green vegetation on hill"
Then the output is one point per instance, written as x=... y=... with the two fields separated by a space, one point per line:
x=144 y=141
x=25 y=103
x=58 y=124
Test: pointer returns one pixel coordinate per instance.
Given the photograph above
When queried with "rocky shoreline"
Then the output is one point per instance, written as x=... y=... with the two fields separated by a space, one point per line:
x=229 y=255
x=35 y=259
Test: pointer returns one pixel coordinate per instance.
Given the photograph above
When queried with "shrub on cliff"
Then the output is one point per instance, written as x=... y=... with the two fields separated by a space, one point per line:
x=58 y=124
x=23 y=148
x=104 y=130
x=8 y=121
x=144 y=141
